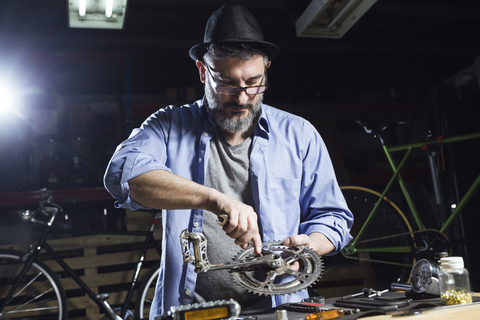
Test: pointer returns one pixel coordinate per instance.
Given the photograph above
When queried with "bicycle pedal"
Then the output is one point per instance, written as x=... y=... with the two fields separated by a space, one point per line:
x=212 y=310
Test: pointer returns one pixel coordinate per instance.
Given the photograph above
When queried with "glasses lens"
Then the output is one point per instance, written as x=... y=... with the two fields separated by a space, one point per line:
x=228 y=90
x=255 y=90
x=234 y=90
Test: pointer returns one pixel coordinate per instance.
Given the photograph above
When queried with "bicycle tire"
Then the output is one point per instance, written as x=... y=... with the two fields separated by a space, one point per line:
x=39 y=295
x=145 y=294
x=389 y=227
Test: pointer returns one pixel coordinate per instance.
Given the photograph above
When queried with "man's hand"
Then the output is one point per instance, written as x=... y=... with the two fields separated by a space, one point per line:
x=315 y=241
x=242 y=222
x=163 y=190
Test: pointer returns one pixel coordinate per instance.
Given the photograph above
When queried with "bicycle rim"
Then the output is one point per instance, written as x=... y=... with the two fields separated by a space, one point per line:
x=39 y=294
x=388 y=228
x=145 y=294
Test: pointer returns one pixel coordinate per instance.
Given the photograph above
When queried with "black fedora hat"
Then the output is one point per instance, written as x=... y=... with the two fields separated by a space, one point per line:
x=233 y=23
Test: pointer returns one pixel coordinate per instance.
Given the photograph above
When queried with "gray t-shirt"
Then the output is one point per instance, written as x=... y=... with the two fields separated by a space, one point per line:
x=227 y=172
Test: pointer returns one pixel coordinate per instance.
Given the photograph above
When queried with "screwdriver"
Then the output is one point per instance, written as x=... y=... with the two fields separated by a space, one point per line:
x=324 y=315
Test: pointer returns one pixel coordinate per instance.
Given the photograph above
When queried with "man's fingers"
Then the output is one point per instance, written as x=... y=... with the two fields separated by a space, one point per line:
x=245 y=237
x=244 y=246
x=315 y=241
x=242 y=224
x=296 y=240
x=257 y=243
x=241 y=230
x=229 y=225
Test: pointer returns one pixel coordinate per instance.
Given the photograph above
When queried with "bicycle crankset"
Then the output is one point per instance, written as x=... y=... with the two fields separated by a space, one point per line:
x=279 y=270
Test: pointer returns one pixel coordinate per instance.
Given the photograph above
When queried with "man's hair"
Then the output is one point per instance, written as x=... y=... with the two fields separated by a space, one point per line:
x=242 y=50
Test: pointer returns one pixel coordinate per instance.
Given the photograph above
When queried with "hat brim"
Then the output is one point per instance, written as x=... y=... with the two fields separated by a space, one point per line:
x=197 y=51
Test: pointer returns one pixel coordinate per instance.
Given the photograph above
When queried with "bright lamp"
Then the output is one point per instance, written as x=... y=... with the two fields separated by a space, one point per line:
x=97 y=14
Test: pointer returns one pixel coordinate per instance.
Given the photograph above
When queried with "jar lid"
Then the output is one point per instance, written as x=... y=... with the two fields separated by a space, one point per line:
x=451 y=262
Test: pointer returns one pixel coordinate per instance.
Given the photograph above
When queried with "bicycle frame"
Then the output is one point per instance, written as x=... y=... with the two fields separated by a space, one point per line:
x=99 y=299
x=352 y=247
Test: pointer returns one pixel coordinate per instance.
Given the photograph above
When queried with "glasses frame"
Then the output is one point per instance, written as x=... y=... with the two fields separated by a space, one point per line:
x=234 y=90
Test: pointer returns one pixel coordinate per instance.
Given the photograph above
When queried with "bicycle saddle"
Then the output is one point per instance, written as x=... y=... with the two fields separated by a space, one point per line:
x=377 y=126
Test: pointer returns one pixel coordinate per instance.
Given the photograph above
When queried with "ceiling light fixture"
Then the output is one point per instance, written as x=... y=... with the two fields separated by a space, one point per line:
x=97 y=14
x=331 y=18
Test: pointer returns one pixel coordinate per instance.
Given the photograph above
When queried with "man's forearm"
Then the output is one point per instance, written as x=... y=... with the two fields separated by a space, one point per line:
x=320 y=243
x=160 y=189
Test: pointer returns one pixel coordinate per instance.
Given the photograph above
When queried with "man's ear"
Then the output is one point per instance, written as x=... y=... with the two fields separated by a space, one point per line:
x=269 y=63
x=201 y=70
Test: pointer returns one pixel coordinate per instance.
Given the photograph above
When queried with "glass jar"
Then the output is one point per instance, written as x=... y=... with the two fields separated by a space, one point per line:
x=454 y=282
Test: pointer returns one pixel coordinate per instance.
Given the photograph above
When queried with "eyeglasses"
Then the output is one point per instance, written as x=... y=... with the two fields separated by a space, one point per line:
x=233 y=90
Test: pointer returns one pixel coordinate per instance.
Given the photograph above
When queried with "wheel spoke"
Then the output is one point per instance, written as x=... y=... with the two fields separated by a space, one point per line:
x=38 y=295
x=389 y=228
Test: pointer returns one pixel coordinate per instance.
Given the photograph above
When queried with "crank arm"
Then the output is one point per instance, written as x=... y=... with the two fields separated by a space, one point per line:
x=266 y=262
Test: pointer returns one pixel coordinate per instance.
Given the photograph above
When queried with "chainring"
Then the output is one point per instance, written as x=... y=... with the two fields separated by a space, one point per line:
x=280 y=278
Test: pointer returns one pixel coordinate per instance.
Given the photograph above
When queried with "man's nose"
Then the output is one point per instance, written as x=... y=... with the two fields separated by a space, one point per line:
x=242 y=97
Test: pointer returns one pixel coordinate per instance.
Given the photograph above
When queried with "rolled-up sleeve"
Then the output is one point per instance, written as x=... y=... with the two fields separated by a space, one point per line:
x=143 y=151
x=322 y=203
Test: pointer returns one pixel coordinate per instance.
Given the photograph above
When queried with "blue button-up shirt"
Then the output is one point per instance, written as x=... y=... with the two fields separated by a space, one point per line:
x=293 y=182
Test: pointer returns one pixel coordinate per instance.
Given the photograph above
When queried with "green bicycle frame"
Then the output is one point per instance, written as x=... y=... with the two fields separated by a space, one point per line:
x=352 y=249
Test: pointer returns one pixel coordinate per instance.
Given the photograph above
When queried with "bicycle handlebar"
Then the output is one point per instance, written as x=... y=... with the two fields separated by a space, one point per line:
x=46 y=207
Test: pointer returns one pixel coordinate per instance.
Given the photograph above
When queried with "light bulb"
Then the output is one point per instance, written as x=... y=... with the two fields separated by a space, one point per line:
x=82 y=8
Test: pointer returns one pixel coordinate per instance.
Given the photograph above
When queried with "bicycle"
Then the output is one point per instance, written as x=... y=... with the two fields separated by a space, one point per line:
x=29 y=289
x=382 y=234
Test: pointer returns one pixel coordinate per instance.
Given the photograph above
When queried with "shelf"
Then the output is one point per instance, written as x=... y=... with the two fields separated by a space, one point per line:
x=23 y=198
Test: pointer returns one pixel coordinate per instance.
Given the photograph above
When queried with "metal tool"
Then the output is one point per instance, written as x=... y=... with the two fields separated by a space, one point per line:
x=366 y=292
x=377 y=293
x=279 y=270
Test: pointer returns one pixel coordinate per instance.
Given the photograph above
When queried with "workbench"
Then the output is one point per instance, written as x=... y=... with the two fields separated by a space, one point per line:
x=415 y=309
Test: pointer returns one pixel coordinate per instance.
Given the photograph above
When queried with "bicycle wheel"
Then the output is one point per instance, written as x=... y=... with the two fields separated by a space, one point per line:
x=145 y=294
x=39 y=294
x=388 y=228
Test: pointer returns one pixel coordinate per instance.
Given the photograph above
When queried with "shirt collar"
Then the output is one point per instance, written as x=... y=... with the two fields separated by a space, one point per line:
x=208 y=124
x=263 y=123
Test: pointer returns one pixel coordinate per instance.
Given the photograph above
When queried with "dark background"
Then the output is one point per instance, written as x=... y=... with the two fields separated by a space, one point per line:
x=84 y=90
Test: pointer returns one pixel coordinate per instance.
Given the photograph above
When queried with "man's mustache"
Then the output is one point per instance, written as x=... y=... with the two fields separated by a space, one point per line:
x=236 y=105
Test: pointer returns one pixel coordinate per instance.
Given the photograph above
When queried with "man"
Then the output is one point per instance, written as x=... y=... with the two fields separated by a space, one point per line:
x=229 y=153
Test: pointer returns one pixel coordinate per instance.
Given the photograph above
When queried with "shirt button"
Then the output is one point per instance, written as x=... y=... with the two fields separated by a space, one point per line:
x=195 y=224
x=205 y=134
x=199 y=159
x=187 y=292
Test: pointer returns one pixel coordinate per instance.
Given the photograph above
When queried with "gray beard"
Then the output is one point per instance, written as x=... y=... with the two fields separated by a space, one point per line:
x=233 y=124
